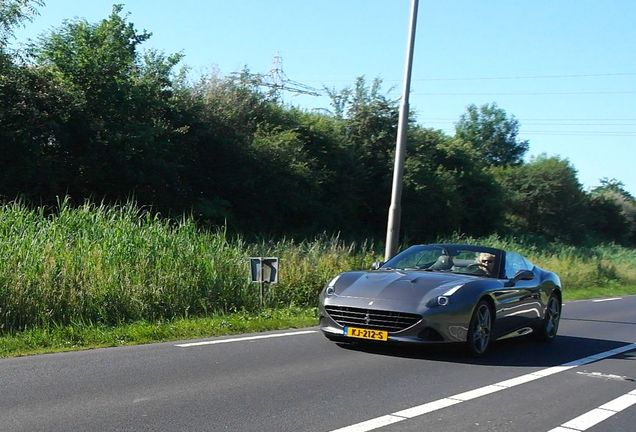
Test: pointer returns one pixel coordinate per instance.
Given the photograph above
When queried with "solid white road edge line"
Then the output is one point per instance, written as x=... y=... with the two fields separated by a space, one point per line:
x=607 y=299
x=597 y=415
x=246 y=338
x=428 y=407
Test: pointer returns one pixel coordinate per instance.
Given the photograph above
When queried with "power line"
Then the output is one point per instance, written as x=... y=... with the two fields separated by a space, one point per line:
x=553 y=119
x=502 y=78
x=580 y=133
x=522 y=77
x=532 y=123
x=569 y=133
x=576 y=124
x=531 y=93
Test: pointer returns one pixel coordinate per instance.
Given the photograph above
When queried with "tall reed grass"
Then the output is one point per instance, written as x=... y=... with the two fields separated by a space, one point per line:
x=119 y=264
x=112 y=265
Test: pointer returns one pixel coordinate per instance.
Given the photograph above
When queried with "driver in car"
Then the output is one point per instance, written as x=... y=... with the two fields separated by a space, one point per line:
x=486 y=263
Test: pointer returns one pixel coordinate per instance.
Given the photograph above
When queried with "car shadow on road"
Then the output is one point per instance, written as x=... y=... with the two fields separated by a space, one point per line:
x=512 y=352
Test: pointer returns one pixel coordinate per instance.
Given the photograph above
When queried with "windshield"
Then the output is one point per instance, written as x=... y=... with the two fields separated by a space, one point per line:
x=471 y=260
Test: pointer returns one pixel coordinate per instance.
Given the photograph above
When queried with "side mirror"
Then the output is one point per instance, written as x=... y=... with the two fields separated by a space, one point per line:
x=376 y=265
x=520 y=275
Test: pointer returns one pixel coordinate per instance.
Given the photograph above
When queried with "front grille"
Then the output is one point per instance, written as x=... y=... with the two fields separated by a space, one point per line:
x=372 y=319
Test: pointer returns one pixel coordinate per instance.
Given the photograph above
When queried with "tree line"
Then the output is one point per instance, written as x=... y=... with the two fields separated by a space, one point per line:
x=87 y=114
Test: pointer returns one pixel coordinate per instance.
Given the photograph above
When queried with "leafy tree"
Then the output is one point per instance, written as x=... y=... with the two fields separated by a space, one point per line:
x=613 y=212
x=371 y=124
x=13 y=13
x=369 y=133
x=327 y=201
x=339 y=100
x=120 y=138
x=493 y=133
x=281 y=186
x=447 y=188
x=544 y=197
x=606 y=220
x=615 y=187
x=94 y=117
x=33 y=110
x=223 y=116
x=430 y=200
x=33 y=116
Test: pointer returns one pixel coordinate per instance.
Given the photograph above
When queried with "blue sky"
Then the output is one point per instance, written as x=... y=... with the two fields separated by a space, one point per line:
x=566 y=69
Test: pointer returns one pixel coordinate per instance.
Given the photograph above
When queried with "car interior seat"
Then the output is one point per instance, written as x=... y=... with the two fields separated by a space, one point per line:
x=444 y=262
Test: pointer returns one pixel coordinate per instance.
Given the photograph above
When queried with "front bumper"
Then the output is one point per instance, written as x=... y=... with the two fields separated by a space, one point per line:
x=433 y=328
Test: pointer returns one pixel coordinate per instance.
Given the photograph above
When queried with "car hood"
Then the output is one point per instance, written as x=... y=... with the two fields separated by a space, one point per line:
x=396 y=285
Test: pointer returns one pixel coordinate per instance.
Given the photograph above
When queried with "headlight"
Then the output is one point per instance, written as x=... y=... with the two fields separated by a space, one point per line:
x=330 y=289
x=444 y=299
x=438 y=301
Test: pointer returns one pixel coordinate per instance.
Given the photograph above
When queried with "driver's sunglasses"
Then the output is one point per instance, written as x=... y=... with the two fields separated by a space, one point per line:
x=487 y=261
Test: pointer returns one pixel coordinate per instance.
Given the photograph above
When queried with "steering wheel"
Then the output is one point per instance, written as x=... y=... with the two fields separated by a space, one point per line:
x=474 y=267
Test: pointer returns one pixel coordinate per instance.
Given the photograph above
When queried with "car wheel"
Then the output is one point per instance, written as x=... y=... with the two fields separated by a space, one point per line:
x=550 y=324
x=480 y=330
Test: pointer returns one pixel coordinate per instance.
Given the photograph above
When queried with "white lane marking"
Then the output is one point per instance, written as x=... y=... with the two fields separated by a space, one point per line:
x=620 y=403
x=372 y=424
x=428 y=407
x=474 y=394
x=519 y=380
x=246 y=338
x=589 y=419
x=597 y=415
x=556 y=369
x=607 y=299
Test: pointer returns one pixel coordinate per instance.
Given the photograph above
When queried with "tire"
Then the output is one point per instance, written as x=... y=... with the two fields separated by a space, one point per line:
x=547 y=330
x=480 y=329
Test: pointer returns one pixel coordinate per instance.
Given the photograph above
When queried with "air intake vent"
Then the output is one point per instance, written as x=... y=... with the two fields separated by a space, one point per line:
x=372 y=319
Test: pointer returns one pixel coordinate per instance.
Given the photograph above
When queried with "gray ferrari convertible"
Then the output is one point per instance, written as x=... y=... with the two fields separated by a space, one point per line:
x=441 y=293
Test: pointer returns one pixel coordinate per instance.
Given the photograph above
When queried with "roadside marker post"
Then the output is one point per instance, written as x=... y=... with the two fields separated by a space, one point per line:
x=264 y=270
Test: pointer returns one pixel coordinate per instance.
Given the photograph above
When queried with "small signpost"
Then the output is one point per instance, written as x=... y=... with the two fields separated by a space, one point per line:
x=264 y=271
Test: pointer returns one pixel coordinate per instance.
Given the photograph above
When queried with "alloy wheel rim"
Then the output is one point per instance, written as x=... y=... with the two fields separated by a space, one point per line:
x=552 y=318
x=481 y=333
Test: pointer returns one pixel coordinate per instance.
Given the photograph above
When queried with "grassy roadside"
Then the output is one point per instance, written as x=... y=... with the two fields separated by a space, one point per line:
x=75 y=337
x=600 y=292
x=86 y=336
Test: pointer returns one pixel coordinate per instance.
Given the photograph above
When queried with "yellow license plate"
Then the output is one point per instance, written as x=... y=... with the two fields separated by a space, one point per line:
x=359 y=333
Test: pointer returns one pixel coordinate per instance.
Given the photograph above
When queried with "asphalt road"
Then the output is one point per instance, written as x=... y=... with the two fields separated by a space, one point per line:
x=299 y=381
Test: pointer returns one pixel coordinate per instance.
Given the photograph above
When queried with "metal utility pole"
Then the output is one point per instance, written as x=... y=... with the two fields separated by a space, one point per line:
x=395 y=210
